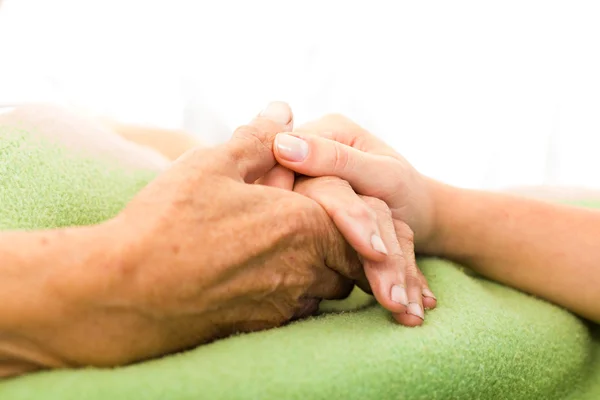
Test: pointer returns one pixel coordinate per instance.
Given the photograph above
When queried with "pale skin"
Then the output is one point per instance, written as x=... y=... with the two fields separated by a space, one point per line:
x=164 y=275
x=541 y=248
x=527 y=246
x=548 y=250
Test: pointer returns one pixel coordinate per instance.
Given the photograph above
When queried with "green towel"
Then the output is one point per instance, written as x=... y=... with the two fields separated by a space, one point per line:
x=484 y=341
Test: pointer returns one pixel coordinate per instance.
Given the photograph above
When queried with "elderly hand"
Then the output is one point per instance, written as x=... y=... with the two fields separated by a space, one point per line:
x=392 y=203
x=203 y=254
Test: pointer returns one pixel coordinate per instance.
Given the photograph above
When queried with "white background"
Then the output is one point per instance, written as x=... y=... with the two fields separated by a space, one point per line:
x=478 y=94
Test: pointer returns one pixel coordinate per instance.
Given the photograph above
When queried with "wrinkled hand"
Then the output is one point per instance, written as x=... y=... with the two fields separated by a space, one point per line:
x=208 y=255
x=335 y=146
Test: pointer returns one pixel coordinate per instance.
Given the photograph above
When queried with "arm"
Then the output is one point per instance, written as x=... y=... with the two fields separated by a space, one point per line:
x=549 y=250
x=46 y=279
x=164 y=276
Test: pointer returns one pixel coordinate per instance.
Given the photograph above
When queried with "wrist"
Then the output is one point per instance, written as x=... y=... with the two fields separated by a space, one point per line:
x=60 y=270
x=442 y=200
x=92 y=258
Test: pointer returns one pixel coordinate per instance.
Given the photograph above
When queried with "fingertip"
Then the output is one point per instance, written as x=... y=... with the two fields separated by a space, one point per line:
x=408 y=320
x=251 y=148
x=391 y=297
x=279 y=112
x=290 y=148
x=429 y=303
x=426 y=291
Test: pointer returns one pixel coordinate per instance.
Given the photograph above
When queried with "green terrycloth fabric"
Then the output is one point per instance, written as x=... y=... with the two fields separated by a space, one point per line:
x=484 y=341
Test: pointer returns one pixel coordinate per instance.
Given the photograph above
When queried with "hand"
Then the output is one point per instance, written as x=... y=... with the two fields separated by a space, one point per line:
x=336 y=146
x=390 y=278
x=207 y=255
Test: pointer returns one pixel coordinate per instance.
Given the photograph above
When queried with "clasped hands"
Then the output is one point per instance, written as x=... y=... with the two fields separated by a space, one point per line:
x=250 y=235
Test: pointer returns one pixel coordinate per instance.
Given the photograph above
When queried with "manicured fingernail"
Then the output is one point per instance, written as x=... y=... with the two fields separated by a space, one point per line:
x=416 y=310
x=279 y=112
x=291 y=148
x=378 y=245
x=428 y=293
x=399 y=295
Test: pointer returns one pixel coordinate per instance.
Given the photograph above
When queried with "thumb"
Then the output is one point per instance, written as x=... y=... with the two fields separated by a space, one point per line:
x=251 y=147
x=312 y=155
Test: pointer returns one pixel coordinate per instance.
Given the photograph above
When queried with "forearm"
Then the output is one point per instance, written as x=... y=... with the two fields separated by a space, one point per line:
x=44 y=277
x=549 y=250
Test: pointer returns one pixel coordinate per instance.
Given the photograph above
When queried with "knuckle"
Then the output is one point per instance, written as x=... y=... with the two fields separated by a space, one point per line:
x=330 y=181
x=246 y=131
x=378 y=205
x=309 y=186
x=404 y=232
x=322 y=184
x=361 y=211
x=341 y=159
x=252 y=136
x=394 y=261
x=298 y=218
x=412 y=278
x=409 y=238
x=397 y=258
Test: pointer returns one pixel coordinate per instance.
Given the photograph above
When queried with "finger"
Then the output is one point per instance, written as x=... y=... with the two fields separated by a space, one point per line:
x=279 y=177
x=250 y=149
x=387 y=277
x=355 y=220
x=414 y=312
x=429 y=299
x=311 y=155
x=405 y=237
x=342 y=129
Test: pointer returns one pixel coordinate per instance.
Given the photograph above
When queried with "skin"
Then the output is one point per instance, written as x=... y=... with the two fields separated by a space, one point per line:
x=164 y=275
x=357 y=217
x=544 y=249
x=462 y=252
x=130 y=290
x=395 y=280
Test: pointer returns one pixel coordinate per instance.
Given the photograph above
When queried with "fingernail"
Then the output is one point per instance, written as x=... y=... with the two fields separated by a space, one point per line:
x=291 y=148
x=378 y=245
x=399 y=295
x=416 y=310
x=428 y=293
x=278 y=112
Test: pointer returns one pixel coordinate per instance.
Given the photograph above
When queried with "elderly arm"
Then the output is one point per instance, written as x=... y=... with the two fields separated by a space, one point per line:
x=46 y=279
